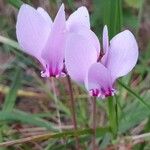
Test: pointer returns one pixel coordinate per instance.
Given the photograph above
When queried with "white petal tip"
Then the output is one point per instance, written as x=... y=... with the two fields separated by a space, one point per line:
x=62 y=6
x=105 y=28
x=25 y=6
x=44 y=74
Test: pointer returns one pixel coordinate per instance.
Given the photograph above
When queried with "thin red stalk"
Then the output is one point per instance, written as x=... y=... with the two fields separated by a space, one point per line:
x=94 y=123
x=72 y=103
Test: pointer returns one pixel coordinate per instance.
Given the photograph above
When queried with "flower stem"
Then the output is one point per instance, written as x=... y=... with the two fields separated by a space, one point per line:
x=72 y=104
x=94 y=123
x=56 y=103
x=112 y=115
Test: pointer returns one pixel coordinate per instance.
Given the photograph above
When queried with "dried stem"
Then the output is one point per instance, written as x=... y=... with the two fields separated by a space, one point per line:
x=72 y=103
x=50 y=135
x=23 y=93
x=67 y=134
x=94 y=123
x=37 y=95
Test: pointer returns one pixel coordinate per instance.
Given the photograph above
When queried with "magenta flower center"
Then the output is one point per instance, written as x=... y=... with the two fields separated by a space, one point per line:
x=103 y=93
x=53 y=72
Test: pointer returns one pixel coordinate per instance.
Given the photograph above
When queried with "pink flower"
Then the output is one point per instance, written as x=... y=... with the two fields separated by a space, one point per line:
x=99 y=76
x=44 y=39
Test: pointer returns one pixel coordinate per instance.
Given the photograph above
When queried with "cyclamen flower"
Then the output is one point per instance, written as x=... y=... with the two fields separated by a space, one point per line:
x=99 y=76
x=44 y=39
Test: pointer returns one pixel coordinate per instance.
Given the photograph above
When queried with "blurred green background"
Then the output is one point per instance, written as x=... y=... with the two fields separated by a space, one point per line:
x=28 y=105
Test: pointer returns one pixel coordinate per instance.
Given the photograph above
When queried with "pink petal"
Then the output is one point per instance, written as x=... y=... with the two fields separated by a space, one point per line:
x=79 y=22
x=79 y=56
x=32 y=31
x=53 y=53
x=79 y=18
x=105 y=45
x=105 y=39
x=98 y=81
x=45 y=15
x=89 y=35
x=123 y=54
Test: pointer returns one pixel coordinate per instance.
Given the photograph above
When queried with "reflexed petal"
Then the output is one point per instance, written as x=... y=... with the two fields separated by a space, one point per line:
x=105 y=45
x=32 y=31
x=79 y=56
x=79 y=18
x=105 y=39
x=89 y=35
x=98 y=81
x=53 y=53
x=45 y=15
x=123 y=54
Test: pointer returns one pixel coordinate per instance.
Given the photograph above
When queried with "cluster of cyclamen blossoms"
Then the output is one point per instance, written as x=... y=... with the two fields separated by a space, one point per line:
x=70 y=47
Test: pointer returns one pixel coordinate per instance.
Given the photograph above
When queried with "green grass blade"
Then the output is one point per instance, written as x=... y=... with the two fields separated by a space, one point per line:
x=112 y=115
x=134 y=94
x=112 y=16
x=9 y=42
x=17 y=50
x=25 y=118
x=10 y=98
